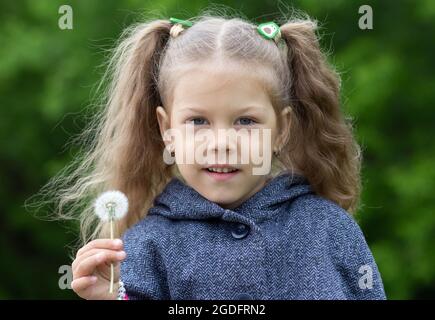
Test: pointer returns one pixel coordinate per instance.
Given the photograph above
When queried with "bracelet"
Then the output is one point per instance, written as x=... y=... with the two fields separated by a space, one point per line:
x=122 y=294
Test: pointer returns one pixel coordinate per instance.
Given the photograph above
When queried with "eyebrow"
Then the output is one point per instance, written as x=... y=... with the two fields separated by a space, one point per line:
x=244 y=109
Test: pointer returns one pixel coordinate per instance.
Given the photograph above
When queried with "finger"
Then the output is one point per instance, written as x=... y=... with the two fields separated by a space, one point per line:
x=102 y=244
x=88 y=265
x=83 y=283
x=92 y=252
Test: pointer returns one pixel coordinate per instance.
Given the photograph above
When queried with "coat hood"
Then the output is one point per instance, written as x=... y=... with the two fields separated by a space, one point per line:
x=180 y=201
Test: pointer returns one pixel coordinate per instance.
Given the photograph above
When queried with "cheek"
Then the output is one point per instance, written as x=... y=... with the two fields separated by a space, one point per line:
x=183 y=140
x=191 y=147
x=261 y=141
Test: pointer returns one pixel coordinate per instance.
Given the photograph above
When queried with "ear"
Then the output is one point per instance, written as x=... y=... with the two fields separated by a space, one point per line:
x=163 y=120
x=284 y=135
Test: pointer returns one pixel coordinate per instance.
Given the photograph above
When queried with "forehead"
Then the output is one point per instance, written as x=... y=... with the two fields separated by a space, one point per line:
x=220 y=85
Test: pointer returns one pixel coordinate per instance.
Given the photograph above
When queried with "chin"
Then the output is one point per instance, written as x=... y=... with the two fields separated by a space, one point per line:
x=221 y=199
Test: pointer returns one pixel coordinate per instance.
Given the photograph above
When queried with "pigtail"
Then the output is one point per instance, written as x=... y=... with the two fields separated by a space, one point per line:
x=121 y=147
x=322 y=144
x=139 y=168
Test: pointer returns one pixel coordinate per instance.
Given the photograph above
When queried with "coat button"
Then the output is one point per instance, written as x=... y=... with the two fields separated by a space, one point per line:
x=244 y=296
x=240 y=231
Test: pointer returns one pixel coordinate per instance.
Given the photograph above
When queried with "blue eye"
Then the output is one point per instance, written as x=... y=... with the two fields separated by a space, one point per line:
x=197 y=121
x=246 y=121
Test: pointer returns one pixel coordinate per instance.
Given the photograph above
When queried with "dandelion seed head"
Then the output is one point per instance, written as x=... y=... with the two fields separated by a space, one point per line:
x=111 y=199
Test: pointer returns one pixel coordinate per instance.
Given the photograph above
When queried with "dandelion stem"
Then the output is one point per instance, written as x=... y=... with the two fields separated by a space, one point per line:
x=112 y=272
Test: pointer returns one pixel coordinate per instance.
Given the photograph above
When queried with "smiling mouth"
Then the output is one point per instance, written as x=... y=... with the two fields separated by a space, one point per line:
x=221 y=170
x=221 y=173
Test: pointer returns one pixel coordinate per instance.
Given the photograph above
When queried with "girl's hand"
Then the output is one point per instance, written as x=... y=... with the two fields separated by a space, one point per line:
x=91 y=269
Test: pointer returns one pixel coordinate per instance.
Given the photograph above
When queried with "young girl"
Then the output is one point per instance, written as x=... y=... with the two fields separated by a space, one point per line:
x=218 y=230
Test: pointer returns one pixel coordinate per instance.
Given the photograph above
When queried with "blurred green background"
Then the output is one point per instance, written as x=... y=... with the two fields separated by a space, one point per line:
x=47 y=77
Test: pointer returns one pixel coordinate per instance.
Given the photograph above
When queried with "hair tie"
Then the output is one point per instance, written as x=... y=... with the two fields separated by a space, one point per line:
x=270 y=31
x=178 y=26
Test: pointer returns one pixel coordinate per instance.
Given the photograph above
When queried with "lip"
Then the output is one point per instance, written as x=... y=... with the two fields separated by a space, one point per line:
x=220 y=166
x=221 y=176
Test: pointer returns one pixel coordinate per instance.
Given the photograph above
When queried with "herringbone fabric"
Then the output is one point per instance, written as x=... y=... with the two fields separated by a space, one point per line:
x=285 y=242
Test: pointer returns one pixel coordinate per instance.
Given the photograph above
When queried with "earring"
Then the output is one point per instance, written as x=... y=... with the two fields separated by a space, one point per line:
x=168 y=155
x=171 y=148
x=276 y=152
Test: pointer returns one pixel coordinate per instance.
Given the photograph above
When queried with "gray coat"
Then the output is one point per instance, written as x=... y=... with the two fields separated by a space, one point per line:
x=285 y=242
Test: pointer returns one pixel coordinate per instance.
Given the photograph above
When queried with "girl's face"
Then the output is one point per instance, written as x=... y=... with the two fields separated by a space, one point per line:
x=232 y=123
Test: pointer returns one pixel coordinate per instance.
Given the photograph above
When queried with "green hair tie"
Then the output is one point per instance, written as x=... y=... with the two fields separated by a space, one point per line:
x=182 y=22
x=270 y=31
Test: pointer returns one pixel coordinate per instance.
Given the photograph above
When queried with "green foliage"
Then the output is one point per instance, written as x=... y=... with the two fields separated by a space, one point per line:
x=47 y=76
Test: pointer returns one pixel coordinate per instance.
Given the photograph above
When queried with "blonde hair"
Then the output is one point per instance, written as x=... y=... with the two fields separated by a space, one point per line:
x=123 y=145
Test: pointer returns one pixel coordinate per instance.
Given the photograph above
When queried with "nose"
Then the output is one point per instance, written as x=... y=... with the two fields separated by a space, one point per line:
x=223 y=142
